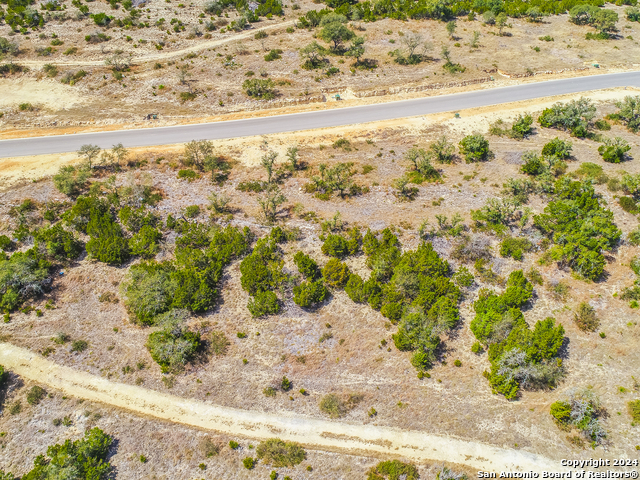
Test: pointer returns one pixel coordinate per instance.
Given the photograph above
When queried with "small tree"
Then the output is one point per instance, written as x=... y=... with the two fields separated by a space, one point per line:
x=71 y=180
x=604 y=21
x=269 y=202
x=585 y=318
x=629 y=112
x=451 y=28
x=218 y=203
x=356 y=49
x=337 y=33
x=196 y=153
x=475 y=37
x=534 y=14
x=292 y=157
x=89 y=153
x=314 y=55
x=501 y=22
x=267 y=161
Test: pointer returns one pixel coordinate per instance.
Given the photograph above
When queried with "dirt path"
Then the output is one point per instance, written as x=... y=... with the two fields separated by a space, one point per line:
x=154 y=57
x=320 y=434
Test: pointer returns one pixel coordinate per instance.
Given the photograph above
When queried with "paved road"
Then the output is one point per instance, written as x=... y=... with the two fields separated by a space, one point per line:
x=346 y=437
x=312 y=120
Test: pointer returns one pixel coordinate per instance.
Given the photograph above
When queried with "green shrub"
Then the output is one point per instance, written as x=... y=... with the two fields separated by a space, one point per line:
x=355 y=288
x=233 y=444
x=258 y=88
x=79 y=346
x=35 y=394
x=71 y=180
x=581 y=410
x=557 y=148
x=393 y=470
x=187 y=174
x=107 y=243
x=23 y=275
x=475 y=148
x=145 y=242
x=280 y=454
x=264 y=303
x=335 y=246
x=336 y=273
x=274 y=54
x=6 y=244
x=57 y=243
x=192 y=211
x=249 y=463
x=309 y=293
x=573 y=116
x=579 y=226
x=306 y=265
x=85 y=458
x=614 y=150
x=333 y=405
x=514 y=247
x=585 y=318
x=629 y=108
x=628 y=204
x=261 y=270
x=174 y=345
x=188 y=282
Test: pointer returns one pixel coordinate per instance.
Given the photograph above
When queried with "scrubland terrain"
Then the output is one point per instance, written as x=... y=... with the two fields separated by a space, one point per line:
x=87 y=318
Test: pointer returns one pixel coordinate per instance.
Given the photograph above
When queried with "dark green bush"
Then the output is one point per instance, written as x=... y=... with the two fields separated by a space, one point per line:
x=309 y=293
x=86 y=458
x=335 y=246
x=145 y=242
x=6 y=244
x=190 y=281
x=57 y=243
x=614 y=150
x=336 y=273
x=107 y=243
x=579 y=226
x=264 y=303
x=306 y=265
x=574 y=116
x=355 y=288
x=519 y=356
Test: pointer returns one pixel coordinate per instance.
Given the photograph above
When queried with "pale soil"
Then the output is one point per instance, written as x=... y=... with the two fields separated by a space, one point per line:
x=318 y=434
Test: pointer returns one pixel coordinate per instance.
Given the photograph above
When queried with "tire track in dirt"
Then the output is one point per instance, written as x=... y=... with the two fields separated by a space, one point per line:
x=369 y=440
x=164 y=55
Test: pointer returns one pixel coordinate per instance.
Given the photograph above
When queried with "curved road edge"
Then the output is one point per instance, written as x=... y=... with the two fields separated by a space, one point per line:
x=311 y=432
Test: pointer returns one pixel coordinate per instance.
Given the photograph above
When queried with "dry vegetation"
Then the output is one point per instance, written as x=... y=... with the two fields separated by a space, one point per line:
x=340 y=348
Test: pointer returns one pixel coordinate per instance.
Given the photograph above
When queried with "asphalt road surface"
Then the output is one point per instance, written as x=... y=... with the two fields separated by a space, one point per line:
x=145 y=137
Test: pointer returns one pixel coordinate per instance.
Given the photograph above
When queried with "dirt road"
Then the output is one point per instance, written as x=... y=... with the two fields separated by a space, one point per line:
x=314 y=433
x=154 y=57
